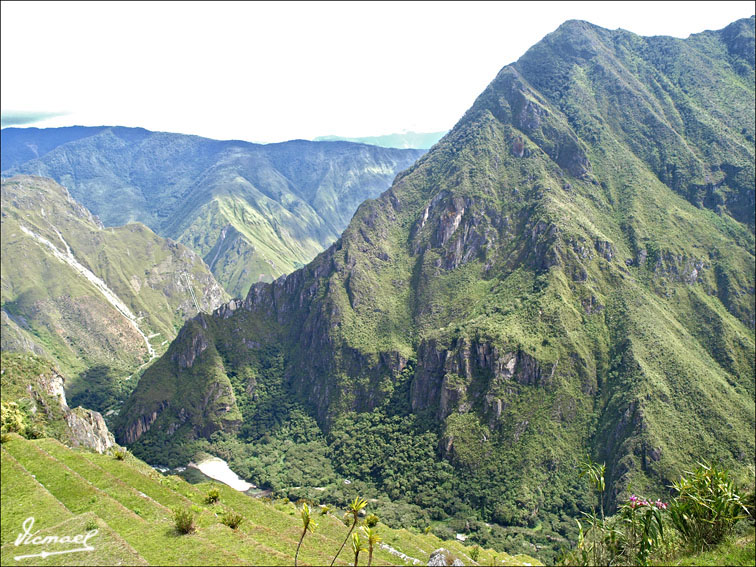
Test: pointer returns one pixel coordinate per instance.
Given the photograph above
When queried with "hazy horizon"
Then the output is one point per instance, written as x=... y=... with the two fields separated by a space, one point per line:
x=271 y=72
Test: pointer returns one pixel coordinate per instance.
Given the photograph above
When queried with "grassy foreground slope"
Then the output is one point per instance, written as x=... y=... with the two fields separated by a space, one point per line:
x=71 y=491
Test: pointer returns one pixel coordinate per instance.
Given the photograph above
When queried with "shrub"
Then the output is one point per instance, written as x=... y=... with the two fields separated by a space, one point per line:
x=120 y=454
x=91 y=525
x=371 y=521
x=212 y=496
x=707 y=506
x=34 y=431
x=475 y=553
x=232 y=519
x=184 y=520
x=12 y=418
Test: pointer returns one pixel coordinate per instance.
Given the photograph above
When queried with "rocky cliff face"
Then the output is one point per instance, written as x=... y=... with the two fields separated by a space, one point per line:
x=88 y=429
x=547 y=278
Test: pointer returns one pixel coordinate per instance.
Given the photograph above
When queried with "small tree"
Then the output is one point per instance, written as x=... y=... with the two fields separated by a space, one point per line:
x=308 y=524
x=354 y=509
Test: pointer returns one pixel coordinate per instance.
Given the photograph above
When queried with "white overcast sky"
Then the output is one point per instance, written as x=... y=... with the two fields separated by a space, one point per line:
x=275 y=71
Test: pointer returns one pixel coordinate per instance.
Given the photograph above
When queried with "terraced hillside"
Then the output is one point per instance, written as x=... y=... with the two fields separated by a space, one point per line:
x=71 y=492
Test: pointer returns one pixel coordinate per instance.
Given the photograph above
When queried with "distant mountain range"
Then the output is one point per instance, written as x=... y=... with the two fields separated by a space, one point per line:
x=403 y=140
x=253 y=212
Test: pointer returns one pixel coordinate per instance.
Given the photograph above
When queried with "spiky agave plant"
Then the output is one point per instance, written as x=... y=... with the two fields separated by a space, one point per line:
x=354 y=508
x=308 y=524
x=372 y=538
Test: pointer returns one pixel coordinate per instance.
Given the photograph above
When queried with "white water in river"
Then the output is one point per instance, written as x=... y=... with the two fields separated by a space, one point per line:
x=218 y=469
x=101 y=286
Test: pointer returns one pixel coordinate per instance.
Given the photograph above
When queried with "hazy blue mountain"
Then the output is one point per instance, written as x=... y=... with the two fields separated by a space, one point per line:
x=416 y=140
x=254 y=212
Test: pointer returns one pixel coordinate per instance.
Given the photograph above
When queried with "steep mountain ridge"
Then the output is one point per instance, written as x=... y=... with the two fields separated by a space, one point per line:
x=99 y=302
x=252 y=211
x=568 y=273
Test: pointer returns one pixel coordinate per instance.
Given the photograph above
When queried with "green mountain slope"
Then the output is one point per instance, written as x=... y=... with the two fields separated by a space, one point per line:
x=568 y=273
x=69 y=491
x=253 y=212
x=99 y=302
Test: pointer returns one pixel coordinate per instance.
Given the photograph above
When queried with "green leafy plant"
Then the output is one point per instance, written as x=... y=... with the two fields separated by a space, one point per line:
x=232 y=519
x=184 y=520
x=308 y=524
x=12 y=418
x=644 y=528
x=354 y=510
x=707 y=506
x=595 y=474
x=627 y=538
x=371 y=520
x=358 y=545
x=212 y=496
x=598 y=543
x=372 y=538
x=120 y=454
x=91 y=525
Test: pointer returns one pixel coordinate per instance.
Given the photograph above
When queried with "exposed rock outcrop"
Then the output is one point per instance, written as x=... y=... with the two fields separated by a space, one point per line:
x=444 y=375
x=88 y=429
x=141 y=424
x=443 y=557
x=76 y=427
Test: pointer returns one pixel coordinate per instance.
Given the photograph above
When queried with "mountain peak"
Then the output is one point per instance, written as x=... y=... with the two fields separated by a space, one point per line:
x=543 y=284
